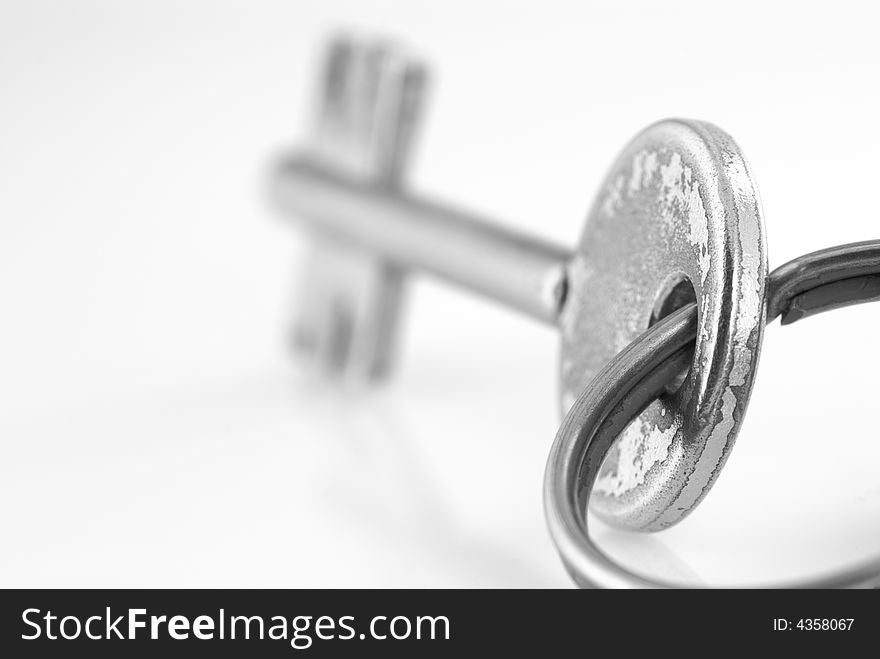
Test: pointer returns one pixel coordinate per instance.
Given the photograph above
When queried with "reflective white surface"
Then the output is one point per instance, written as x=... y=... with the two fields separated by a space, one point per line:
x=155 y=432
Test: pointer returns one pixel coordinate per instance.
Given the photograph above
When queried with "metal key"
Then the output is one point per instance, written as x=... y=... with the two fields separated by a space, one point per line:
x=677 y=220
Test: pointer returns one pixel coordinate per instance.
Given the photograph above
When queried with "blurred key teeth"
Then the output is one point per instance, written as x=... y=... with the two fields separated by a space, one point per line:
x=350 y=304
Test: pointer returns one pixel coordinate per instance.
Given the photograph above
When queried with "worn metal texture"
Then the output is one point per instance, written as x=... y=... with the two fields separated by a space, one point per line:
x=679 y=205
x=632 y=380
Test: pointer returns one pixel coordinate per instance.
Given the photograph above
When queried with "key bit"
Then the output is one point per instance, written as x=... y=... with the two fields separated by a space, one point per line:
x=350 y=300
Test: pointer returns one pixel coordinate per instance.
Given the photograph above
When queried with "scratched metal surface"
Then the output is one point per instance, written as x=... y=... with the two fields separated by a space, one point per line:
x=678 y=202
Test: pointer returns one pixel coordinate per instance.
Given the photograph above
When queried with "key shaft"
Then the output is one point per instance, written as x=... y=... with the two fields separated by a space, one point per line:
x=520 y=271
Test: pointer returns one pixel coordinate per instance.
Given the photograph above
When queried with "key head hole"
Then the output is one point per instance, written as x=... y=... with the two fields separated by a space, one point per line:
x=675 y=293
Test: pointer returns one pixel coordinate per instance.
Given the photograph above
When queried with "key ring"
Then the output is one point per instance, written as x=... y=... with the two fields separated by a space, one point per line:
x=820 y=281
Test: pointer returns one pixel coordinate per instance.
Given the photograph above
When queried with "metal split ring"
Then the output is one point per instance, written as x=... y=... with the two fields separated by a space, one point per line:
x=824 y=280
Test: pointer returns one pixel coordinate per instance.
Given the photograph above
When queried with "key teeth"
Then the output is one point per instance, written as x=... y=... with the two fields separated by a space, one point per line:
x=371 y=97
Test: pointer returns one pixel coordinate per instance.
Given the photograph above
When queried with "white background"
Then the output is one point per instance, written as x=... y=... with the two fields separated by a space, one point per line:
x=154 y=430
